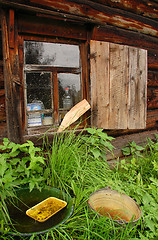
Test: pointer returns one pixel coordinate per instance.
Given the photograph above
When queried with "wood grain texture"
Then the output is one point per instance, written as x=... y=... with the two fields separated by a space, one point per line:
x=118 y=71
x=152 y=78
x=11 y=78
x=152 y=98
x=99 y=88
x=90 y=12
x=140 y=139
x=11 y=28
x=147 y=8
x=118 y=86
x=137 y=88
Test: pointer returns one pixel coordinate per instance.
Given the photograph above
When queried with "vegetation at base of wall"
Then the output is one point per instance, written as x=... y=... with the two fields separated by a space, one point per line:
x=77 y=164
x=20 y=165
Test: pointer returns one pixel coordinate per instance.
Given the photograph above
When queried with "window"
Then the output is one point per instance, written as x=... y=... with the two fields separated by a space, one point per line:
x=118 y=86
x=53 y=84
x=55 y=81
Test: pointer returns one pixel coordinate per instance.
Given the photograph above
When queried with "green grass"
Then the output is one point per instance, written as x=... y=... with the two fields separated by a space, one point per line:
x=77 y=165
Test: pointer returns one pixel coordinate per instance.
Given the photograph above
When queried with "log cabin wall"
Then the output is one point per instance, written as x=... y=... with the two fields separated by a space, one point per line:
x=131 y=22
x=3 y=127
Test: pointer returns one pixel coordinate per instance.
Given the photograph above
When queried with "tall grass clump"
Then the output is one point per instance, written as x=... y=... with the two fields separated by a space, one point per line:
x=69 y=156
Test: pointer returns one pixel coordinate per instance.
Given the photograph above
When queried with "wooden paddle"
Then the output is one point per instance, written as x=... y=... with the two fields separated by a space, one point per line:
x=75 y=112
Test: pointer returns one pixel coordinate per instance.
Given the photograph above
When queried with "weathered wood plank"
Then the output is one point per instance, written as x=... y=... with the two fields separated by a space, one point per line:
x=122 y=36
x=2 y=106
x=91 y=12
x=153 y=59
x=152 y=78
x=118 y=117
x=143 y=7
x=35 y=68
x=152 y=119
x=142 y=92
x=10 y=63
x=122 y=141
x=118 y=86
x=152 y=98
x=137 y=88
x=3 y=131
x=11 y=28
x=133 y=112
x=61 y=29
x=103 y=14
x=99 y=54
x=1 y=75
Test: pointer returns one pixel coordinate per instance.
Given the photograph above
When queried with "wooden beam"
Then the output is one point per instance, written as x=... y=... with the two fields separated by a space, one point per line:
x=142 y=7
x=102 y=14
x=153 y=59
x=122 y=141
x=152 y=98
x=10 y=63
x=37 y=25
x=88 y=11
x=122 y=36
x=11 y=28
x=152 y=78
x=35 y=68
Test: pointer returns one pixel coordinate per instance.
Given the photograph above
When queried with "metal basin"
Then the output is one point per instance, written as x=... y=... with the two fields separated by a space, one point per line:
x=115 y=205
x=23 y=225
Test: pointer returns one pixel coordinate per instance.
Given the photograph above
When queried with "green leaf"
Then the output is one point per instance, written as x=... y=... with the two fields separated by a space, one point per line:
x=126 y=151
x=155 y=164
x=150 y=223
x=96 y=153
x=133 y=161
x=15 y=161
x=31 y=185
x=139 y=148
x=109 y=145
x=154 y=181
x=5 y=142
x=13 y=153
x=91 y=130
x=3 y=166
x=147 y=198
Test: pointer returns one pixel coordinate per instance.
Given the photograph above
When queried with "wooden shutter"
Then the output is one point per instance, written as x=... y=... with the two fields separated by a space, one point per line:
x=118 y=86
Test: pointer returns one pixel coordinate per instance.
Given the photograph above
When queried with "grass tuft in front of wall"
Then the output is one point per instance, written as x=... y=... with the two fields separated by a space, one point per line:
x=77 y=164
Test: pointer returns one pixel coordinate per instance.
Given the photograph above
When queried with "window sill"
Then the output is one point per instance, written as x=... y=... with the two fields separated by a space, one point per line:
x=38 y=138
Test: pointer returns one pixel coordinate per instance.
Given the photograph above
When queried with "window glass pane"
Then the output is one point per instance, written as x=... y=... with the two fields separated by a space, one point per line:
x=54 y=54
x=69 y=90
x=39 y=89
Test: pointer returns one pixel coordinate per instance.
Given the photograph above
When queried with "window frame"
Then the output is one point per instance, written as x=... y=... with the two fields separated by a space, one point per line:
x=84 y=79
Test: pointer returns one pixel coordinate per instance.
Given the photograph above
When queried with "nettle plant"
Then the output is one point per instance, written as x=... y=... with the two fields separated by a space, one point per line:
x=140 y=178
x=20 y=165
x=98 y=142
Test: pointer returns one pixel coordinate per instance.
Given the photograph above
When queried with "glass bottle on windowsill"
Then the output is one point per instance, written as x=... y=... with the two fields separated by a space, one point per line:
x=67 y=99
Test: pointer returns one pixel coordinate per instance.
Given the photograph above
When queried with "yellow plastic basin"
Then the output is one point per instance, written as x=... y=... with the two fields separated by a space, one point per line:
x=46 y=209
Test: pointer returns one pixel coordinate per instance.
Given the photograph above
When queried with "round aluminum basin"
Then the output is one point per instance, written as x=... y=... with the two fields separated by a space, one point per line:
x=115 y=205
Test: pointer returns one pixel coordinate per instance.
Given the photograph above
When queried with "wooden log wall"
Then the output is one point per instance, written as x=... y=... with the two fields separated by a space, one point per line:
x=3 y=127
x=130 y=22
x=109 y=34
x=11 y=75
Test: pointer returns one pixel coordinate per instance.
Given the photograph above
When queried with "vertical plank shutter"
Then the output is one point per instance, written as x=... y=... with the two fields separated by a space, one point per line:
x=118 y=86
